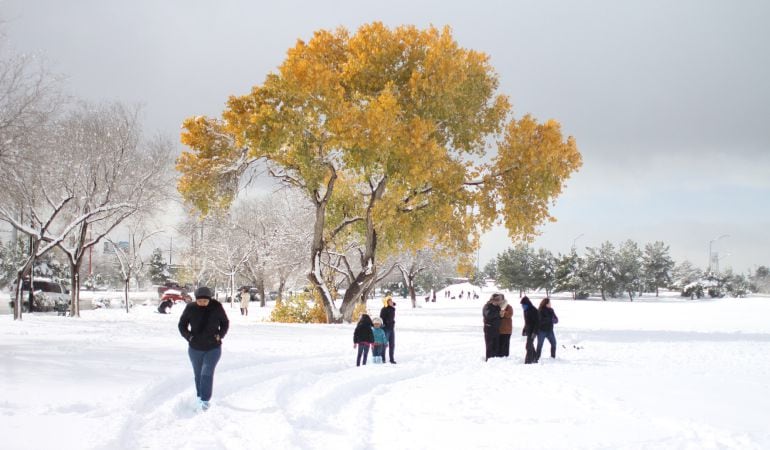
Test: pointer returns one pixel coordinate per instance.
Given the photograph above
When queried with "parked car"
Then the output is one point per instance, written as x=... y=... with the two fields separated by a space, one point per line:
x=48 y=295
x=175 y=296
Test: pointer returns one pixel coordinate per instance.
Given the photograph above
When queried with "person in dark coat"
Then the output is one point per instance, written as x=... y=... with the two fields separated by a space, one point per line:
x=531 y=321
x=506 y=328
x=164 y=306
x=388 y=316
x=363 y=337
x=545 y=327
x=491 y=314
x=204 y=324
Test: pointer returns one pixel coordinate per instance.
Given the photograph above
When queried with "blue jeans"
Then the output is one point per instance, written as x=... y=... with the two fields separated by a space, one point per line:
x=378 y=351
x=204 y=363
x=391 y=335
x=363 y=350
x=541 y=337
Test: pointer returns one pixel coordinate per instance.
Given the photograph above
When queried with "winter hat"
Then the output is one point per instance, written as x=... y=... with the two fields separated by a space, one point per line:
x=203 y=292
x=377 y=321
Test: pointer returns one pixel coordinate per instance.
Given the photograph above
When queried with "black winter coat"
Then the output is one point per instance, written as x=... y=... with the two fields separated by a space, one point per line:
x=492 y=317
x=204 y=327
x=363 y=332
x=531 y=321
x=388 y=316
x=547 y=316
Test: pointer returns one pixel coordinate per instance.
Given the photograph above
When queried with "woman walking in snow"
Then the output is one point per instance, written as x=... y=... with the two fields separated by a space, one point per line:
x=531 y=321
x=363 y=337
x=506 y=328
x=204 y=324
x=547 y=320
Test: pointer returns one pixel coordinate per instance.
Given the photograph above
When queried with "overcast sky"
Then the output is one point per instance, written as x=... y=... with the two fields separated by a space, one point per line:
x=669 y=101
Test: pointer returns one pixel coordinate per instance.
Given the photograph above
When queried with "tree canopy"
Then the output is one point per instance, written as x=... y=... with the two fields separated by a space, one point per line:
x=388 y=131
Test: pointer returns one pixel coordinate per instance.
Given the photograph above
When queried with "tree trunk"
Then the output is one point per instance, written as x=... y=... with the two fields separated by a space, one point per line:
x=261 y=291
x=356 y=292
x=603 y=297
x=281 y=287
x=127 y=280
x=316 y=250
x=630 y=295
x=75 y=291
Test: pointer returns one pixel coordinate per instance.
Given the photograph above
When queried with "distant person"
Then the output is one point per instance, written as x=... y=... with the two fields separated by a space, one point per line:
x=165 y=305
x=245 y=299
x=491 y=315
x=530 y=329
x=363 y=337
x=380 y=341
x=388 y=315
x=204 y=324
x=506 y=328
x=545 y=329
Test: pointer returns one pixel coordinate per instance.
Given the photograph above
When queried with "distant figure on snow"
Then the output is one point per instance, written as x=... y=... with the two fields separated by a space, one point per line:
x=530 y=329
x=547 y=320
x=245 y=299
x=165 y=305
x=363 y=337
x=506 y=328
x=491 y=314
x=204 y=324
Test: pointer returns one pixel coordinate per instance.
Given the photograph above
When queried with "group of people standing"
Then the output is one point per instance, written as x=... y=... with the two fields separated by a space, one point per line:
x=498 y=327
x=378 y=334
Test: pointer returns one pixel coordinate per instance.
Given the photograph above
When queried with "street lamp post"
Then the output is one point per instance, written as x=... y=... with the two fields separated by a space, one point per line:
x=711 y=242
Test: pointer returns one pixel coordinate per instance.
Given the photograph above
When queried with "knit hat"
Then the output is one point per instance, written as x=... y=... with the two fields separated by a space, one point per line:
x=377 y=321
x=203 y=292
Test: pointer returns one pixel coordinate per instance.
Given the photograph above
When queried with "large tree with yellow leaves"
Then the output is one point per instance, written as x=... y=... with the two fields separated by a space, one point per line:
x=388 y=132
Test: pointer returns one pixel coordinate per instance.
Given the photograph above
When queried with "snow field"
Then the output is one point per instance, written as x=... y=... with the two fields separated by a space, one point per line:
x=656 y=374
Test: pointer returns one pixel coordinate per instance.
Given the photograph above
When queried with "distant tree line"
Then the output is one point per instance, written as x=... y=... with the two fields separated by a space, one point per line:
x=610 y=271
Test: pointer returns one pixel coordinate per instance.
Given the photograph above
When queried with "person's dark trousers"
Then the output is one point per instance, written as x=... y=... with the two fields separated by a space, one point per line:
x=541 y=337
x=391 y=335
x=204 y=362
x=504 y=345
x=492 y=341
x=363 y=350
x=531 y=355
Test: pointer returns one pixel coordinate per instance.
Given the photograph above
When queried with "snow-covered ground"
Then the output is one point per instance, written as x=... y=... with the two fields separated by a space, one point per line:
x=654 y=374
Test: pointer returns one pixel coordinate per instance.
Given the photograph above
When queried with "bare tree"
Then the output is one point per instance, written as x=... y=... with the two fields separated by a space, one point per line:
x=277 y=226
x=131 y=259
x=110 y=169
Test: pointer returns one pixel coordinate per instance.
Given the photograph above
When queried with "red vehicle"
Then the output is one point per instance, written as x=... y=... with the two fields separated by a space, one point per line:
x=175 y=296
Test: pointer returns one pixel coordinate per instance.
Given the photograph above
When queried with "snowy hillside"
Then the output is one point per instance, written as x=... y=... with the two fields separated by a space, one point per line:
x=651 y=374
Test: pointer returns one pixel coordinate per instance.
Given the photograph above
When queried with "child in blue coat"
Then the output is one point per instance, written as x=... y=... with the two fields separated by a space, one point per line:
x=380 y=341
